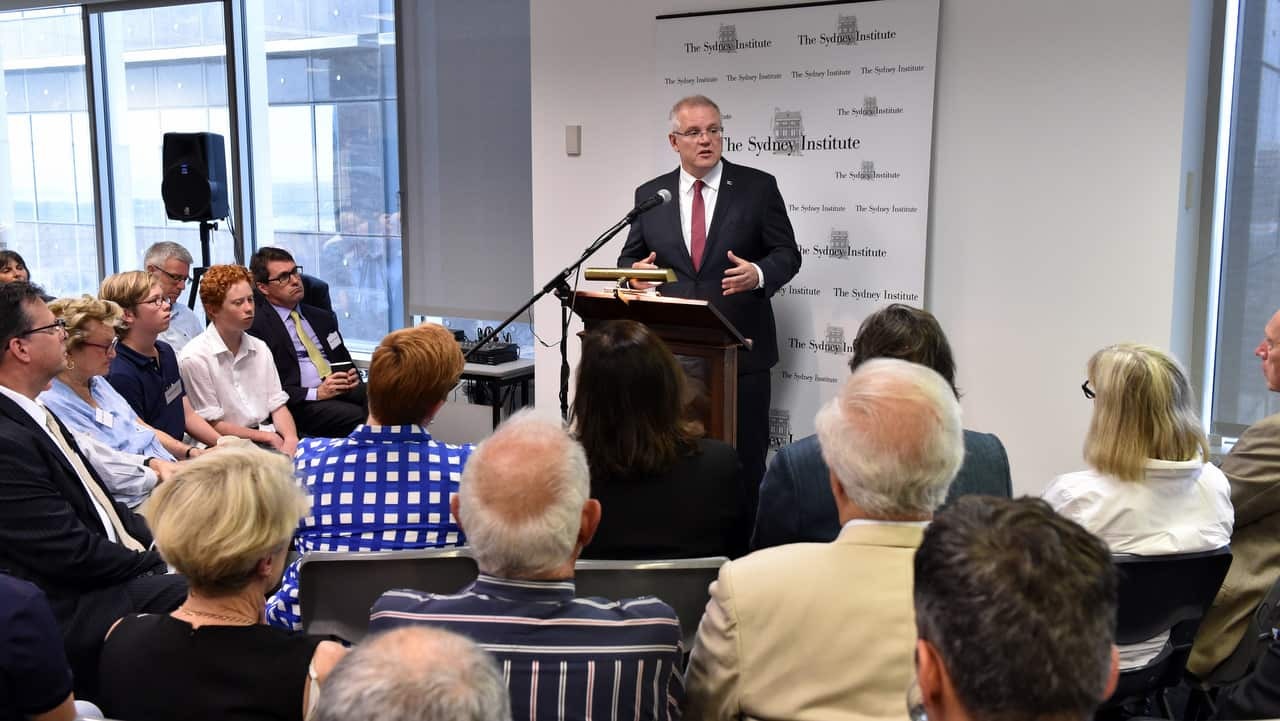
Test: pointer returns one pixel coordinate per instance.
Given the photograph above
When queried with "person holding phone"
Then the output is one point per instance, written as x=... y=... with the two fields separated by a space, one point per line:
x=326 y=396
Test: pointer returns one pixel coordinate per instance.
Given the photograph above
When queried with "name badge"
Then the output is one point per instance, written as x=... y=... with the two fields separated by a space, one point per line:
x=173 y=391
x=334 y=340
x=104 y=417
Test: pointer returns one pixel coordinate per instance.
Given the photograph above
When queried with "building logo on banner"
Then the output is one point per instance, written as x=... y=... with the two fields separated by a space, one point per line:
x=788 y=129
x=779 y=427
x=870 y=108
x=787 y=138
x=727 y=42
x=846 y=33
x=838 y=246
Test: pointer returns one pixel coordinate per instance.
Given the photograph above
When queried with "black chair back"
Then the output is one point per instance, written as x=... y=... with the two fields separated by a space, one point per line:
x=1158 y=594
x=684 y=584
x=337 y=589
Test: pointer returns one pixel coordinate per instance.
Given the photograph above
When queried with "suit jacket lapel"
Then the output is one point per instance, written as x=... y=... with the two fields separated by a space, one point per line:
x=22 y=418
x=668 y=218
x=724 y=206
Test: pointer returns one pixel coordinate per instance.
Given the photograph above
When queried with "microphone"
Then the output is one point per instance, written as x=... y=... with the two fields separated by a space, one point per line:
x=658 y=198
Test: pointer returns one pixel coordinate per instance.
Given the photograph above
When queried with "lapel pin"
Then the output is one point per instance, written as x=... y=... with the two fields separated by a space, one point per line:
x=728 y=182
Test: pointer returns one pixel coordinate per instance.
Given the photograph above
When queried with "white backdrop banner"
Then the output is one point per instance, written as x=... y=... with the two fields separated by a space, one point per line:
x=836 y=100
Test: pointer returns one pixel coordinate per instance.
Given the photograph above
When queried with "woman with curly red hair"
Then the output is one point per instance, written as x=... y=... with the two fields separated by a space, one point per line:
x=229 y=375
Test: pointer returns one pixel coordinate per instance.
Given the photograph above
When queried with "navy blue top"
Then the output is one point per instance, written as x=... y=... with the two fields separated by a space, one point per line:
x=152 y=386
x=563 y=657
x=34 y=675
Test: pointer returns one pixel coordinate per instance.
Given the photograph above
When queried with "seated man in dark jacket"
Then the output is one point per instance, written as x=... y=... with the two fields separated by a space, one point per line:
x=59 y=527
x=795 y=497
x=326 y=396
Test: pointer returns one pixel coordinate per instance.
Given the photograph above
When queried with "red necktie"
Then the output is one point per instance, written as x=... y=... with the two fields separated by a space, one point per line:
x=698 y=229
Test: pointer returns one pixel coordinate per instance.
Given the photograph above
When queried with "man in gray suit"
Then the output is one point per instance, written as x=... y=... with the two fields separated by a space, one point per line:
x=796 y=504
x=1253 y=467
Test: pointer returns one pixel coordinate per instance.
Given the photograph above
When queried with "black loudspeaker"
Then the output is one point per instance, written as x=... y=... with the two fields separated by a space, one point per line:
x=195 y=177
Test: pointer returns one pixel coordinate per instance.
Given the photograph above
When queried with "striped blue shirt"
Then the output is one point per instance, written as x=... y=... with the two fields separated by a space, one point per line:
x=563 y=658
x=381 y=488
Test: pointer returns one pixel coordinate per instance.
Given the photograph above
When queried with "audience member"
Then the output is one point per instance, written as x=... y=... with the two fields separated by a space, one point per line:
x=1149 y=490
x=224 y=522
x=524 y=504
x=145 y=369
x=388 y=484
x=170 y=264
x=128 y=455
x=668 y=493
x=1253 y=470
x=795 y=499
x=1016 y=612
x=326 y=396
x=35 y=680
x=14 y=268
x=59 y=527
x=416 y=674
x=816 y=631
x=229 y=374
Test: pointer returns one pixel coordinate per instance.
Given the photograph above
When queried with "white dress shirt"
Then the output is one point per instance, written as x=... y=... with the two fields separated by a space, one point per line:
x=242 y=389
x=710 y=192
x=1180 y=507
x=40 y=415
x=184 y=326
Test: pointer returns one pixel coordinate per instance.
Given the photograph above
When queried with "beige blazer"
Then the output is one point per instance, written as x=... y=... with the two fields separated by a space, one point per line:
x=810 y=631
x=1253 y=467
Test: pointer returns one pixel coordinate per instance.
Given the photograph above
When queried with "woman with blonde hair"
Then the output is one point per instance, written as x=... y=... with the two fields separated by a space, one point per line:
x=224 y=522
x=1149 y=489
x=130 y=456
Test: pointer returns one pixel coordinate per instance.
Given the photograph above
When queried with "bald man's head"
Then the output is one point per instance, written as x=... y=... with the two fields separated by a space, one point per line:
x=522 y=497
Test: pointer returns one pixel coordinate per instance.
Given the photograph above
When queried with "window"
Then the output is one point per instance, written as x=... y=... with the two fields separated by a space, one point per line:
x=331 y=131
x=165 y=70
x=1249 y=278
x=46 y=177
x=318 y=145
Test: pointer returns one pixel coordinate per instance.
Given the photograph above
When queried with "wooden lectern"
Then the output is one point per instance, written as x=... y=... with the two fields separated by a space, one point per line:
x=705 y=343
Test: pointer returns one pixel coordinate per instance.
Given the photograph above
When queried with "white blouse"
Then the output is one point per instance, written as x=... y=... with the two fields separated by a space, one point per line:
x=1180 y=507
x=242 y=389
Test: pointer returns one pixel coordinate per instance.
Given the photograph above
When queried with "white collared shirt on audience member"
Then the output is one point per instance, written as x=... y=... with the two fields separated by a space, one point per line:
x=243 y=389
x=184 y=326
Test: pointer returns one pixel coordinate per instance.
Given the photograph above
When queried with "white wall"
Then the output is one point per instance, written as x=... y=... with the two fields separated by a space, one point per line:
x=1057 y=221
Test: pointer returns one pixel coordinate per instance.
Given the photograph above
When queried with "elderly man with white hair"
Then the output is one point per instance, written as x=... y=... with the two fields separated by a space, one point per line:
x=523 y=503
x=415 y=674
x=826 y=630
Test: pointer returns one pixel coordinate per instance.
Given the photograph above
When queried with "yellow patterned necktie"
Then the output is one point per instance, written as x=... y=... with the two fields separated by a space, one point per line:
x=317 y=358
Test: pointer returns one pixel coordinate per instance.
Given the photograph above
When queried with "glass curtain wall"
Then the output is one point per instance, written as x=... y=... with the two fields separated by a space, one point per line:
x=46 y=172
x=1250 y=275
x=319 y=145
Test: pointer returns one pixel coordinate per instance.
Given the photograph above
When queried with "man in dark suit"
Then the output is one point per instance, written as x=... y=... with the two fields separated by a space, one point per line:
x=59 y=527
x=796 y=504
x=730 y=242
x=326 y=397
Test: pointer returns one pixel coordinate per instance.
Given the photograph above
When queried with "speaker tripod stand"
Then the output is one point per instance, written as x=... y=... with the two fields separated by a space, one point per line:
x=206 y=256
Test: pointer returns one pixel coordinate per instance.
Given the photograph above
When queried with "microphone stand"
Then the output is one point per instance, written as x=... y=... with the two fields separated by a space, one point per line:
x=559 y=285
